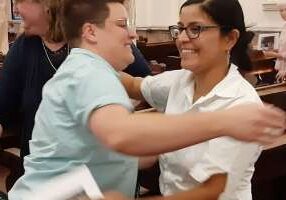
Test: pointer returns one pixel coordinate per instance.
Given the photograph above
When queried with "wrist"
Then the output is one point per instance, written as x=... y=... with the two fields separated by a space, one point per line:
x=219 y=127
x=216 y=123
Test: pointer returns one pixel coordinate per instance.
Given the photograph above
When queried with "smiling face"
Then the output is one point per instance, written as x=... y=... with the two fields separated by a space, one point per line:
x=206 y=51
x=113 y=41
x=34 y=16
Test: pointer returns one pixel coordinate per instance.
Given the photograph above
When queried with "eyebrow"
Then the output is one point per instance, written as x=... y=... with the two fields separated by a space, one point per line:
x=190 y=23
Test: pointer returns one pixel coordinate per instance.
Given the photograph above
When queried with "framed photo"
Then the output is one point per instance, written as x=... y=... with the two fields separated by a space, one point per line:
x=268 y=41
x=14 y=13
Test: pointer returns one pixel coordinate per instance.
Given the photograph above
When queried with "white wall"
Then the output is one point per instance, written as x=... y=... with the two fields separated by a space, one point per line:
x=253 y=11
x=156 y=13
x=162 y=13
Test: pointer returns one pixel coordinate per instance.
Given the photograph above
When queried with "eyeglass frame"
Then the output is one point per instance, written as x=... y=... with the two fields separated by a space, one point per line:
x=127 y=25
x=196 y=35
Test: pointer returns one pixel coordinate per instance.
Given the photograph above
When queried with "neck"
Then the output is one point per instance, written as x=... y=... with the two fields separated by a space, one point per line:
x=107 y=57
x=205 y=81
x=53 y=46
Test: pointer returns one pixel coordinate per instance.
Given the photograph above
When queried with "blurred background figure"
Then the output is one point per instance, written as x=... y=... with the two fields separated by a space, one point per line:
x=4 y=26
x=280 y=55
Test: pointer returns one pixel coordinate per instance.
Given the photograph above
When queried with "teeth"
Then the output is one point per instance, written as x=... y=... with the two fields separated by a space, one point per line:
x=188 y=51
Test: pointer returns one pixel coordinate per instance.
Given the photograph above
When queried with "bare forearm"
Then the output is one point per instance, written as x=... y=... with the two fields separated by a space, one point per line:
x=154 y=133
x=209 y=190
x=148 y=134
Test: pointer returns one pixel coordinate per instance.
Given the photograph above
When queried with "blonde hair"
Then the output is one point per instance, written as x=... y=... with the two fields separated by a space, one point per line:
x=55 y=33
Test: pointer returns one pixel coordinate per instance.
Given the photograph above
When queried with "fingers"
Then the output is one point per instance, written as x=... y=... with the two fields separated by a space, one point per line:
x=280 y=76
x=266 y=139
x=273 y=117
x=273 y=131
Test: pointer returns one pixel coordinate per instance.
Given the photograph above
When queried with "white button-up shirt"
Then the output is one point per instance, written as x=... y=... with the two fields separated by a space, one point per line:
x=172 y=92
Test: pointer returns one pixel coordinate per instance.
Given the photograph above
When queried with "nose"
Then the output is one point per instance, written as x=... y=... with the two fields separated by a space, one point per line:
x=182 y=37
x=132 y=34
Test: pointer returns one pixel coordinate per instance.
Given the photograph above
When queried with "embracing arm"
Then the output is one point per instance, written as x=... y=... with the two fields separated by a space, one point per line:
x=154 y=133
x=209 y=190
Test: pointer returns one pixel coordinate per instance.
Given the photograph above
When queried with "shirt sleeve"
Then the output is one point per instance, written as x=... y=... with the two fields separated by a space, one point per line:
x=156 y=89
x=11 y=82
x=230 y=156
x=94 y=88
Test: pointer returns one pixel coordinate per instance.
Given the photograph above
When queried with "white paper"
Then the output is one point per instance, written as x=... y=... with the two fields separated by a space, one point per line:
x=75 y=184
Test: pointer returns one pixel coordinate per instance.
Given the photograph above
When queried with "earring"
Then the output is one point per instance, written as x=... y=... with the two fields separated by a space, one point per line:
x=228 y=56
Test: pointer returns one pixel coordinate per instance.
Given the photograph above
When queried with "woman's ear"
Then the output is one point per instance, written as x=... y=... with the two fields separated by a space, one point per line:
x=89 y=33
x=232 y=38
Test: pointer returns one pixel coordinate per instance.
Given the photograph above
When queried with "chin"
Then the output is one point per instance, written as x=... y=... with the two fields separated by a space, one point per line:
x=189 y=65
x=130 y=59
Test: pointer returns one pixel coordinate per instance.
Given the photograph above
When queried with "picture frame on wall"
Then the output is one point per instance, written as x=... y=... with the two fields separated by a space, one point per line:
x=14 y=13
x=268 y=41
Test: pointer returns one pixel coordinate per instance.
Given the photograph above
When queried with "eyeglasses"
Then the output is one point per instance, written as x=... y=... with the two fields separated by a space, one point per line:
x=124 y=23
x=192 y=31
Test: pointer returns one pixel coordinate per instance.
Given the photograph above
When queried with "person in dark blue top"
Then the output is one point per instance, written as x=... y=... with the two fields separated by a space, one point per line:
x=139 y=67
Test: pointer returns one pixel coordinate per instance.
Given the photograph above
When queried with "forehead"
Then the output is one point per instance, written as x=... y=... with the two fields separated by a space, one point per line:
x=282 y=6
x=193 y=14
x=117 y=11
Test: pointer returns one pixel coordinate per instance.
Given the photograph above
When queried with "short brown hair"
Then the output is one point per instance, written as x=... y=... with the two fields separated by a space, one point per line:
x=77 y=12
x=55 y=33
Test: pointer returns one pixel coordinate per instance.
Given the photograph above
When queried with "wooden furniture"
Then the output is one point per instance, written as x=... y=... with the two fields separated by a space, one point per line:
x=269 y=179
x=163 y=52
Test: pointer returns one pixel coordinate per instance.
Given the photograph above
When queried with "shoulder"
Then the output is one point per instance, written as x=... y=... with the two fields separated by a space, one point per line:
x=170 y=77
x=81 y=68
x=24 y=40
x=24 y=44
x=241 y=89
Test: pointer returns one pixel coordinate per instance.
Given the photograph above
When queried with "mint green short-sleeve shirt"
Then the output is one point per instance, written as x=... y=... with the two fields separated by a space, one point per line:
x=61 y=139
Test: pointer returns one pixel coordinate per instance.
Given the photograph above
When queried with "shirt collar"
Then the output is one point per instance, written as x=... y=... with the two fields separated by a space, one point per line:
x=226 y=88
x=93 y=56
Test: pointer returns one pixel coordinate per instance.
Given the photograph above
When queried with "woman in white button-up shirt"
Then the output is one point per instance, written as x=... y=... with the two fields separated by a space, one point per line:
x=212 y=42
